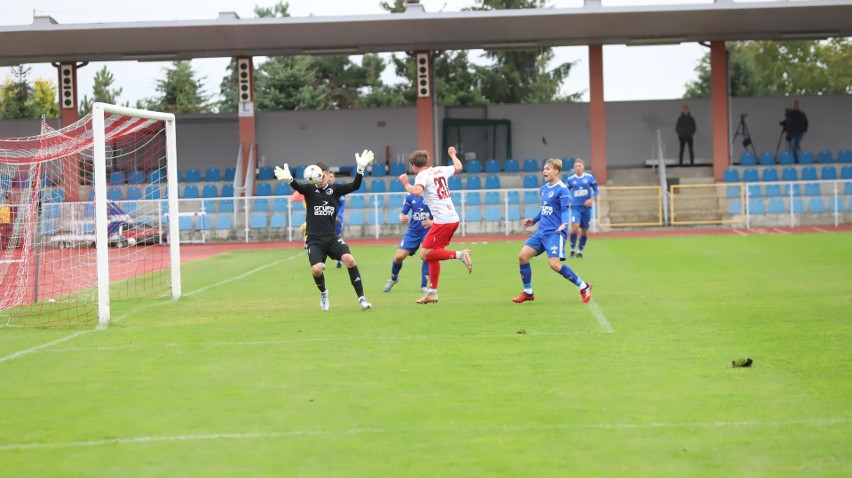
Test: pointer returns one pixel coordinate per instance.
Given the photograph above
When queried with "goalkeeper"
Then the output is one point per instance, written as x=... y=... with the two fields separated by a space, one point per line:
x=322 y=201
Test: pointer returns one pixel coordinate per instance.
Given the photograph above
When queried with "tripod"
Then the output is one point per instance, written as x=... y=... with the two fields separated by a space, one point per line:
x=778 y=146
x=742 y=130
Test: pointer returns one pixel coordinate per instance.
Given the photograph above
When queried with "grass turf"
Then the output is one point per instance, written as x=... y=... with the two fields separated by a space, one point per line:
x=246 y=376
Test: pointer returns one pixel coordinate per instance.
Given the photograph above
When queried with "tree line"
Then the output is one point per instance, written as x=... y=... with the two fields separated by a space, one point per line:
x=756 y=68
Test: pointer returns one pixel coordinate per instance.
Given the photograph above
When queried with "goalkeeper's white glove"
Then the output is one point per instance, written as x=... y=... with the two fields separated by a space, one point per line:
x=283 y=174
x=363 y=160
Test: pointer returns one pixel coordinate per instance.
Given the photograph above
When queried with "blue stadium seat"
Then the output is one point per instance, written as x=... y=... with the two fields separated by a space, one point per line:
x=828 y=173
x=258 y=221
x=844 y=156
x=789 y=174
x=297 y=218
x=513 y=197
x=798 y=205
x=531 y=181
x=263 y=189
x=492 y=197
x=375 y=200
x=472 y=199
x=205 y=223
x=846 y=172
x=772 y=191
x=379 y=169
x=531 y=197
x=5 y=181
x=754 y=190
x=210 y=191
x=734 y=191
x=393 y=217
x=806 y=157
x=213 y=175
x=812 y=189
x=785 y=158
x=115 y=194
x=769 y=175
x=52 y=211
x=473 y=182
x=155 y=176
x=267 y=173
x=378 y=186
x=472 y=214
x=776 y=206
x=58 y=195
x=816 y=205
x=492 y=166
x=193 y=175
x=356 y=218
x=530 y=165
x=356 y=202
x=185 y=223
x=152 y=192
x=514 y=213
x=227 y=190
x=282 y=189
x=836 y=204
x=493 y=213
x=134 y=193
x=396 y=169
x=396 y=187
x=190 y=192
x=735 y=207
x=492 y=182
x=226 y=205
x=767 y=158
x=731 y=176
x=809 y=173
x=825 y=157
x=117 y=177
x=278 y=220
x=230 y=174
x=756 y=206
x=511 y=166
x=531 y=211
x=136 y=177
x=454 y=183
x=750 y=176
x=260 y=205
x=474 y=166
x=748 y=159
x=456 y=197
x=223 y=222
x=48 y=228
x=796 y=189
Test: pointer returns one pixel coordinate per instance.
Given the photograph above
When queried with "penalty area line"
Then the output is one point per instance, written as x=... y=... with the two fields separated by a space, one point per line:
x=600 y=317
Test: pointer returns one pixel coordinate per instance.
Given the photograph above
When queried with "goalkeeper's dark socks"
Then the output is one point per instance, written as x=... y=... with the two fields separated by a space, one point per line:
x=320 y=281
x=355 y=278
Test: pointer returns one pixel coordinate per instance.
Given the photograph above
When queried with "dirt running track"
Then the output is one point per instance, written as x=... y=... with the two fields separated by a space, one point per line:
x=191 y=252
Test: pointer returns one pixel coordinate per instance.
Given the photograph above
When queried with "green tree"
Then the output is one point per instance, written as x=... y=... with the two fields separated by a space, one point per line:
x=288 y=83
x=228 y=89
x=179 y=92
x=101 y=91
x=764 y=68
x=375 y=92
x=18 y=95
x=44 y=98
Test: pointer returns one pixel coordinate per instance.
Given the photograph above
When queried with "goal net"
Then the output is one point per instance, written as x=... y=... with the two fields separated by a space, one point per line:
x=84 y=218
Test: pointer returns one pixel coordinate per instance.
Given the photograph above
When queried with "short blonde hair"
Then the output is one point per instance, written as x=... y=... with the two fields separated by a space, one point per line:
x=554 y=163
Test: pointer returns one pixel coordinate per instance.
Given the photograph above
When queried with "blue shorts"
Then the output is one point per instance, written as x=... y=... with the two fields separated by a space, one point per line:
x=581 y=215
x=411 y=241
x=553 y=243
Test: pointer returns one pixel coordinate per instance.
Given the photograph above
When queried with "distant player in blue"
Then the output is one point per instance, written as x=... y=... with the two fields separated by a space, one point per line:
x=338 y=220
x=418 y=225
x=584 y=190
x=553 y=221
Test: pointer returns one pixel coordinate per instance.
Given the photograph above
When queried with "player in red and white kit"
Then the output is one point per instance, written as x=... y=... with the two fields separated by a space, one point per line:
x=431 y=183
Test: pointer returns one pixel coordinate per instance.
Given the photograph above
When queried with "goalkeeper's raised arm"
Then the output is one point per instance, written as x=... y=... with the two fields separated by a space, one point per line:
x=361 y=162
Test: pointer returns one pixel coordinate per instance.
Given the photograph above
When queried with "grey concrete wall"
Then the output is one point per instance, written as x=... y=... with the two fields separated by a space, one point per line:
x=538 y=131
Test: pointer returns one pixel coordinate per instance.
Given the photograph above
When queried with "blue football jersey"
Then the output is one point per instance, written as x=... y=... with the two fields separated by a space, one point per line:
x=554 y=202
x=419 y=211
x=582 y=188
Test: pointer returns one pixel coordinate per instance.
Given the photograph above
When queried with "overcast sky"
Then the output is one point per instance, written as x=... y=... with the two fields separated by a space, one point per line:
x=630 y=73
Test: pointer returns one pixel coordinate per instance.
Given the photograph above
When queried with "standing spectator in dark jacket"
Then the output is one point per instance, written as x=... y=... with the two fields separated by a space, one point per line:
x=685 y=129
x=796 y=125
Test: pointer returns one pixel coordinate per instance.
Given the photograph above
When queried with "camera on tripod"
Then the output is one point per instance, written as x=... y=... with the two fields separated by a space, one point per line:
x=742 y=130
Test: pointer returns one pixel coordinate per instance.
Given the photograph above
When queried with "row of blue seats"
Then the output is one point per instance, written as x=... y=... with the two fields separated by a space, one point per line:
x=780 y=206
x=770 y=174
x=767 y=158
x=778 y=190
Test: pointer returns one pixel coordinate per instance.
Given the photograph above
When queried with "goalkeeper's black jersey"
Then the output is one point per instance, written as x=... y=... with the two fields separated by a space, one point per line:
x=321 y=205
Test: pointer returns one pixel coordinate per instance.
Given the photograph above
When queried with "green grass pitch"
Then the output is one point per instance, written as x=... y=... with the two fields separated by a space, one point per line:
x=245 y=376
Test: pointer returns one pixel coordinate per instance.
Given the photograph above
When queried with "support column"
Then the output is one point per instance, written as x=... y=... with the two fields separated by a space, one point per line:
x=69 y=114
x=597 y=114
x=245 y=107
x=719 y=108
x=425 y=104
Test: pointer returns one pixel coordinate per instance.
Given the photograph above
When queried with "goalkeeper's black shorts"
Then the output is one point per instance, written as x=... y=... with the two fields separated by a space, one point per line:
x=318 y=248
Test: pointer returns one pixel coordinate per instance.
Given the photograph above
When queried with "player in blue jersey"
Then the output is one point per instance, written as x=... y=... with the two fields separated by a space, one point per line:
x=584 y=190
x=418 y=226
x=338 y=221
x=553 y=221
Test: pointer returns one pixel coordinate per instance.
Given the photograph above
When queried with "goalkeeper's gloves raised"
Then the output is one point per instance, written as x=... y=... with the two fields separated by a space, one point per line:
x=363 y=160
x=283 y=174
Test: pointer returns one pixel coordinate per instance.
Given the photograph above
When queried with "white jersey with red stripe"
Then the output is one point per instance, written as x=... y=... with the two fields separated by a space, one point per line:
x=436 y=193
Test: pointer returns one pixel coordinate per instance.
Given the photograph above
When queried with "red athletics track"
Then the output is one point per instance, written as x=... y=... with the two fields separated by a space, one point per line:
x=192 y=252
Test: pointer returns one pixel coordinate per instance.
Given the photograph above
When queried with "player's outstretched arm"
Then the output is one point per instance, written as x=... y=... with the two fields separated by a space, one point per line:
x=414 y=189
x=456 y=161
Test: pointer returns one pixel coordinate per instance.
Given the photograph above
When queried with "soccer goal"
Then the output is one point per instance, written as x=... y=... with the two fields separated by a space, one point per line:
x=84 y=218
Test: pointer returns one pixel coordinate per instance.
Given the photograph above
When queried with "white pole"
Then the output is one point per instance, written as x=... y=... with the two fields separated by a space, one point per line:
x=172 y=188
x=101 y=219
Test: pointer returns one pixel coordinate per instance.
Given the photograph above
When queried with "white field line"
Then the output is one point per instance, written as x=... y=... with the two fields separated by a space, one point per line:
x=449 y=429
x=780 y=231
x=143 y=308
x=600 y=317
x=741 y=232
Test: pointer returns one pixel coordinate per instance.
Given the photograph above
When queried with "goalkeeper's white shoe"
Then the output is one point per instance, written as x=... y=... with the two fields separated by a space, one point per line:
x=389 y=285
x=324 y=301
x=364 y=304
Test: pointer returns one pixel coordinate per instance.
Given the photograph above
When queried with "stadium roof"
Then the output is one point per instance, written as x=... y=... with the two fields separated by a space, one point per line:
x=228 y=36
